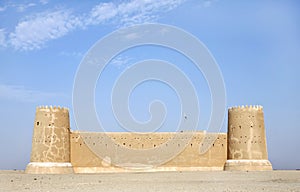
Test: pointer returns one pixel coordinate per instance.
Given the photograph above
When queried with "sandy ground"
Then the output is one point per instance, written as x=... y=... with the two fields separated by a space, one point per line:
x=158 y=181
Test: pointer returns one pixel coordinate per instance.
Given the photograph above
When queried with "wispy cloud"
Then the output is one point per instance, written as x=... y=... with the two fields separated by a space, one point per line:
x=44 y=2
x=121 y=61
x=19 y=7
x=22 y=94
x=34 y=31
x=132 y=12
x=23 y=7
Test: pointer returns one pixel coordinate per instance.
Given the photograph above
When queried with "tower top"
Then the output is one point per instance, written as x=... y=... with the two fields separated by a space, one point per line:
x=246 y=108
x=52 y=108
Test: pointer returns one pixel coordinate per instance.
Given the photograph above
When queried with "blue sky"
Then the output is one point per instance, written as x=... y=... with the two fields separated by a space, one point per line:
x=255 y=43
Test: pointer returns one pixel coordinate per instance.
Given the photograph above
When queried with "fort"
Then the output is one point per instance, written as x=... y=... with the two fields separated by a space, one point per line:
x=56 y=149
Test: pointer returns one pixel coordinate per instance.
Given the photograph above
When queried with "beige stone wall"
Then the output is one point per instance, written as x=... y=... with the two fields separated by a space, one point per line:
x=51 y=135
x=57 y=150
x=82 y=156
x=246 y=133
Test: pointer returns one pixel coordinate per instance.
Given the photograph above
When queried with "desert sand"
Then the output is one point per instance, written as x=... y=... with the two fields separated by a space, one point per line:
x=156 y=181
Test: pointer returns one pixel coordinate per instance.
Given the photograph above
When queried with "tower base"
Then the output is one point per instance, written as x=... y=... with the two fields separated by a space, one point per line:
x=49 y=168
x=248 y=165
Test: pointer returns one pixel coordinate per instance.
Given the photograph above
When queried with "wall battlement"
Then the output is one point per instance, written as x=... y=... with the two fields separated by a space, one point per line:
x=245 y=108
x=56 y=149
x=47 y=108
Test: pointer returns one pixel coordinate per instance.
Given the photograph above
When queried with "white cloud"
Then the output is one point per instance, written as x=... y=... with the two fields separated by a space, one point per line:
x=20 y=93
x=33 y=32
x=121 y=61
x=132 y=12
x=17 y=7
x=101 y=13
x=23 y=7
x=44 y=2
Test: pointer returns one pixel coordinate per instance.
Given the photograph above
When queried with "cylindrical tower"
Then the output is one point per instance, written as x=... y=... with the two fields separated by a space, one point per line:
x=50 y=151
x=247 y=149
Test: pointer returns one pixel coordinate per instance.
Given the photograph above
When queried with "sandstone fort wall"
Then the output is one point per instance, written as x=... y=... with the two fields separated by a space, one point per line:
x=56 y=149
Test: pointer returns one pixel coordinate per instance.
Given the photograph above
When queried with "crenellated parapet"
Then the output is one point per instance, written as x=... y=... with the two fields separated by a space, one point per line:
x=52 y=108
x=245 y=108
